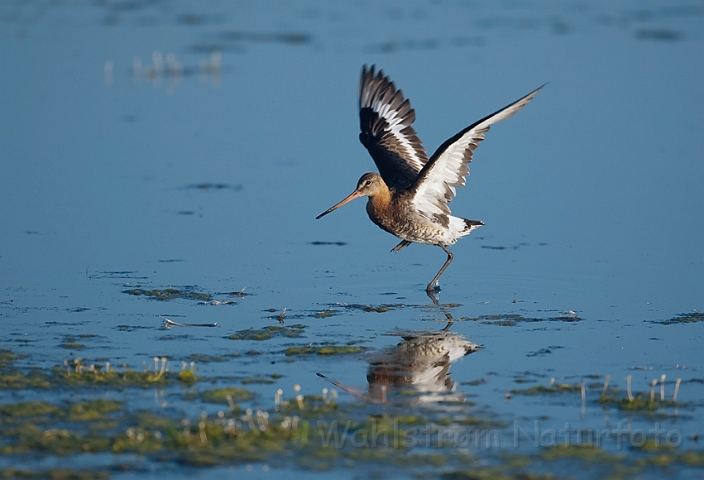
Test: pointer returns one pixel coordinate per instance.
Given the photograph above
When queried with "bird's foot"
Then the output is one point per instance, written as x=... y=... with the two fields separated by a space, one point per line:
x=430 y=290
x=403 y=244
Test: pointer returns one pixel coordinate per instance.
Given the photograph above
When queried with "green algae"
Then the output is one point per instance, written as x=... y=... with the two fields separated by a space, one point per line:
x=585 y=452
x=324 y=350
x=7 y=358
x=188 y=376
x=312 y=431
x=640 y=403
x=224 y=395
x=269 y=332
x=205 y=358
x=22 y=380
x=373 y=308
x=79 y=375
x=480 y=472
x=258 y=380
x=170 y=294
x=684 y=318
x=692 y=458
x=543 y=390
x=510 y=320
x=72 y=343
x=93 y=409
x=24 y=409
x=13 y=413
x=130 y=328
x=55 y=474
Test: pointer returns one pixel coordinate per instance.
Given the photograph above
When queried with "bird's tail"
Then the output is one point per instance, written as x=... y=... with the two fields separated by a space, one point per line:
x=467 y=226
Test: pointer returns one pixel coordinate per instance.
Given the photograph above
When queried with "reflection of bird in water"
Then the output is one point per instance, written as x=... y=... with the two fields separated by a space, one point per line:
x=421 y=361
x=408 y=197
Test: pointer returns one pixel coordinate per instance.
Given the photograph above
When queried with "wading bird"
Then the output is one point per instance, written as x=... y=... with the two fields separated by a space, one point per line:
x=408 y=197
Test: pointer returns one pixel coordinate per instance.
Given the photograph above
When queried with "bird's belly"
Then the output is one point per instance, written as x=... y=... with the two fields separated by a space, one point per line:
x=428 y=235
x=412 y=226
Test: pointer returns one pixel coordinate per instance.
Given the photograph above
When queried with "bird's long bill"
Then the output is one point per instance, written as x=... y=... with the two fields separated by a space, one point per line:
x=351 y=197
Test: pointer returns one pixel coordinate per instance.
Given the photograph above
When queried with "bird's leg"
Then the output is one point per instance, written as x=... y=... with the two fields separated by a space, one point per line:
x=431 y=286
x=404 y=243
x=432 y=297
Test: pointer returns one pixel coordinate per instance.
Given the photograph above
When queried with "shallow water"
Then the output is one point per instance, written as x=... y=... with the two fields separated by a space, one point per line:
x=151 y=145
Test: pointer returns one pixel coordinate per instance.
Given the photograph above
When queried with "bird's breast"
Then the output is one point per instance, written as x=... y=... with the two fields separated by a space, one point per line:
x=400 y=219
x=381 y=212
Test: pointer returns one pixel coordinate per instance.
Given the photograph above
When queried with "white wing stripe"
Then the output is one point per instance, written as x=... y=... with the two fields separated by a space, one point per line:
x=449 y=169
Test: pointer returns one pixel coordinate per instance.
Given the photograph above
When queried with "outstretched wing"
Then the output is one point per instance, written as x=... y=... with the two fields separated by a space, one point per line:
x=447 y=168
x=385 y=120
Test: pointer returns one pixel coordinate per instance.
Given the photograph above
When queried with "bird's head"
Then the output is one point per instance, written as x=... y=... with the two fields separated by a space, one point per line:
x=369 y=184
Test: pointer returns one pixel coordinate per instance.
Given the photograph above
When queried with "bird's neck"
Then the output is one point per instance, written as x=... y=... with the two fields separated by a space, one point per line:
x=381 y=200
x=379 y=209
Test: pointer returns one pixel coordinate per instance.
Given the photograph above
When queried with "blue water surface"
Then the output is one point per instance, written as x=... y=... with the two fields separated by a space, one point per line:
x=171 y=144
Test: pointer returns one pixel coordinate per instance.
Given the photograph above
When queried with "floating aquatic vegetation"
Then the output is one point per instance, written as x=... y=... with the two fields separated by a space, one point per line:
x=543 y=390
x=269 y=332
x=311 y=431
x=71 y=343
x=76 y=374
x=583 y=451
x=258 y=380
x=13 y=411
x=212 y=186
x=16 y=380
x=642 y=402
x=510 y=320
x=544 y=351
x=371 y=308
x=130 y=328
x=92 y=410
x=7 y=357
x=187 y=293
x=226 y=395
x=206 y=358
x=324 y=349
x=56 y=473
x=651 y=403
x=693 y=317
x=476 y=383
x=330 y=312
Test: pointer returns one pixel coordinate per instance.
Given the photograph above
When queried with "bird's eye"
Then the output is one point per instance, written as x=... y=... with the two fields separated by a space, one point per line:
x=367 y=183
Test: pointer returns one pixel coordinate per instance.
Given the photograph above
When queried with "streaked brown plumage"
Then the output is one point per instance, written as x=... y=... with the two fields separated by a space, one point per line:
x=408 y=197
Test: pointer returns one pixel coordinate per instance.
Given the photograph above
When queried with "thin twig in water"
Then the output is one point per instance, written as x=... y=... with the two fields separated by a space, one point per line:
x=170 y=323
x=662 y=388
x=280 y=316
x=606 y=385
x=628 y=388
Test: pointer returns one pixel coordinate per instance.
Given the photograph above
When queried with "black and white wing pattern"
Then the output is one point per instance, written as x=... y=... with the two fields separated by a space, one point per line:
x=447 y=168
x=385 y=120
